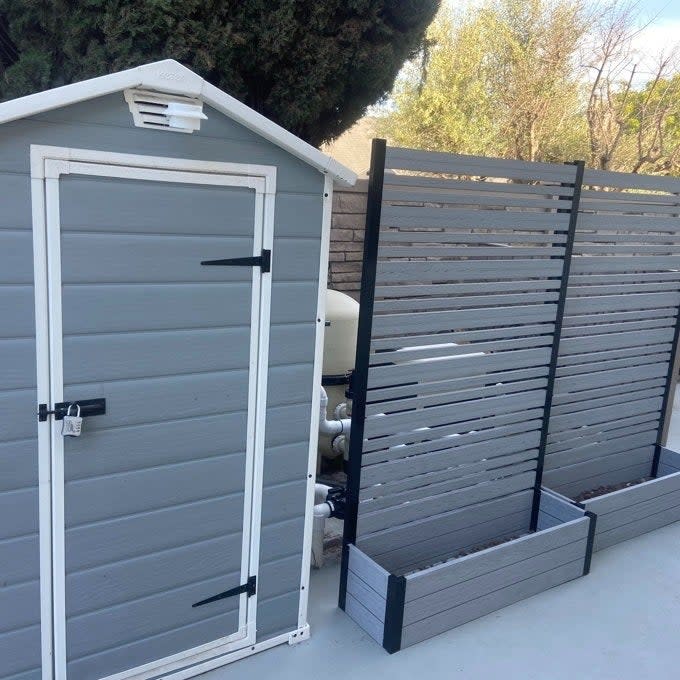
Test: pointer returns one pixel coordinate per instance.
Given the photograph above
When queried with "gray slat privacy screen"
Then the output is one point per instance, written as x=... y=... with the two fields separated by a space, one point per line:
x=458 y=336
x=619 y=333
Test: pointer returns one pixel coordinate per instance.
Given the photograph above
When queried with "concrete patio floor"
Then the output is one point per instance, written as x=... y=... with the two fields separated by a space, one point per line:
x=620 y=623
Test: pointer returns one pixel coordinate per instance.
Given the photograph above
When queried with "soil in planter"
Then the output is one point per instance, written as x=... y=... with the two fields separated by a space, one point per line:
x=602 y=490
x=470 y=551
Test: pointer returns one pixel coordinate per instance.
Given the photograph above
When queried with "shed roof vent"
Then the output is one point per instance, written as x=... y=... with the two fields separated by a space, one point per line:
x=165 y=111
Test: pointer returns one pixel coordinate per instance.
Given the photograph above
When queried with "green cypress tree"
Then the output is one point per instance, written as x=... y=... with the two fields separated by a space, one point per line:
x=313 y=66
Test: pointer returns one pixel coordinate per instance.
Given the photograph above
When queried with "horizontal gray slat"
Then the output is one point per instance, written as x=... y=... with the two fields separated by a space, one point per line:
x=456 y=385
x=624 y=180
x=422 y=304
x=488 y=561
x=637 y=528
x=633 y=393
x=443 y=415
x=623 y=326
x=576 y=438
x=444 y=528
x=391 y=324
x=440 y=236
x=602 y=414
x=368 y=597
x=471 y=270
x=605 y=413
x=490 y=602
x=638 y=359
x=459 y=428
x=591 y=343
x=476 y=587
x=383 y=519
x=387 y=496
x=458 y=475
x=438 y=399
x=605 y=447
x=580 y=361
x=384 y=473
x=617 y=303
x=369 y=571
x=405 y=217
x=476 y=185
x=399 y=290
x=616 y=376
x=618 y=500
x=366 y=620
x=597 y=467
x=409 y=559
x=627 y=223
x=613 y=426
x=434 y=445
x=462 y=336
x=638 y=511
x=449 y=251
x=585 y=265
x=457 y=367
x=507 y=199
x=617 y=317
x=437 y=161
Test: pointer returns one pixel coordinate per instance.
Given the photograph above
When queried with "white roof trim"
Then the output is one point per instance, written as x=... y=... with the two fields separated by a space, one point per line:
x=170 y=76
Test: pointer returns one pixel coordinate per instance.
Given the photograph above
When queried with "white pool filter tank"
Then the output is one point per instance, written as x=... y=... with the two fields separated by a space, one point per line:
x=342 y=320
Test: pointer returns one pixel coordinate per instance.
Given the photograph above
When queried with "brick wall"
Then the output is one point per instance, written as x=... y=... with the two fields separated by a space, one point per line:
x=347 y=238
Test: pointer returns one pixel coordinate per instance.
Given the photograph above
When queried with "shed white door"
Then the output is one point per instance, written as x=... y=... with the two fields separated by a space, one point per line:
x=155 y=507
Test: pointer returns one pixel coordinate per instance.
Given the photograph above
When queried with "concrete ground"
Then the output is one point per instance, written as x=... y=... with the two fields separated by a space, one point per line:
x=622 y=622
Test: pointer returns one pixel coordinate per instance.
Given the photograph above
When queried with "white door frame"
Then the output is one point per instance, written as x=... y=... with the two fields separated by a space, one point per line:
x=47 y=165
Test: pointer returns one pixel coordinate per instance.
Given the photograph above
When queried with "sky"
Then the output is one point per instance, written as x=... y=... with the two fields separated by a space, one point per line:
x=665 y=29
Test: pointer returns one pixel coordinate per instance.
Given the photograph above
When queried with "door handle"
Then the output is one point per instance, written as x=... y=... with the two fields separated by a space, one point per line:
x=88 y=407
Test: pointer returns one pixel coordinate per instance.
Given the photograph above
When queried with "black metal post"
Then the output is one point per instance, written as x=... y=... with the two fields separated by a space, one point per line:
x=561 y=302
x=360 y=375
x=667 y=396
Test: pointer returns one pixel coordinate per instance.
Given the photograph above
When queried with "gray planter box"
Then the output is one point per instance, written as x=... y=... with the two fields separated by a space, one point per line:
x=638 y=509
x=401 y=610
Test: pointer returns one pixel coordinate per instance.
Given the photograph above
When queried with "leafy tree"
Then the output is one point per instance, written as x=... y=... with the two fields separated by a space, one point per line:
x=499 y=80
x=311 y=66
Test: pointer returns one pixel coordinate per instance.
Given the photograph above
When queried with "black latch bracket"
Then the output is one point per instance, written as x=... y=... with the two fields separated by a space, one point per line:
x=249 y=587
x=88 y=407
x=263 y=261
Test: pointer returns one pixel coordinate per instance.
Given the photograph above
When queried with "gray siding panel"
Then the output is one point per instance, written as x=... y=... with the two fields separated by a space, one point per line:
x=19 y=565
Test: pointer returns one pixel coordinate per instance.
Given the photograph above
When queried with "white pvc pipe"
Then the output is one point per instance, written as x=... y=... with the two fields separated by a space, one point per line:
x=330 y=427
x=321 y=511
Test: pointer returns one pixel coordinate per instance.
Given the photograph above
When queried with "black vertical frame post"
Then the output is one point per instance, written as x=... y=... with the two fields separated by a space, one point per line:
x=667 y=397
x=360 y=375
x=394 y=613
x=552 y=370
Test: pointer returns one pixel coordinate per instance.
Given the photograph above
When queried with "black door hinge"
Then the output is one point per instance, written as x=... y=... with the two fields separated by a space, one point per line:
x=263 y=261
x=249 y=588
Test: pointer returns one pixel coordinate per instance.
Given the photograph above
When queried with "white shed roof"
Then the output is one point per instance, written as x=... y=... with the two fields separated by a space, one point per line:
x=170 y=76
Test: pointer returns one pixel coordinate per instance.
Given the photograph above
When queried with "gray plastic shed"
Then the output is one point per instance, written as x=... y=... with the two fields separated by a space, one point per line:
x=162 y=257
